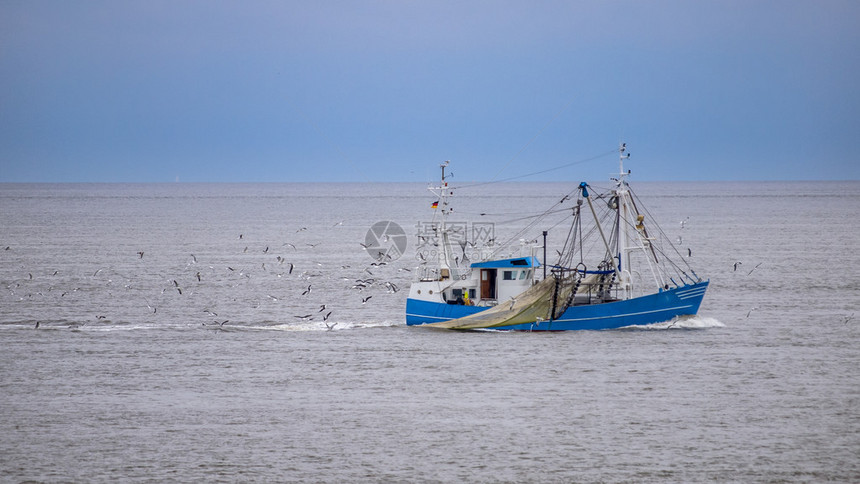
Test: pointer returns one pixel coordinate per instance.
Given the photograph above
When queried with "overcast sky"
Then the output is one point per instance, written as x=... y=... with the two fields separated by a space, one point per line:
x=282 y=91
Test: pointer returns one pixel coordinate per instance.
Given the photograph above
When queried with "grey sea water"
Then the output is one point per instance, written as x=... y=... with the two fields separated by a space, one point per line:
x=174 y=344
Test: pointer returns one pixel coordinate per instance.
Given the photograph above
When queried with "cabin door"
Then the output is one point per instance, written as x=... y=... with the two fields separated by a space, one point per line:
x=488 y=283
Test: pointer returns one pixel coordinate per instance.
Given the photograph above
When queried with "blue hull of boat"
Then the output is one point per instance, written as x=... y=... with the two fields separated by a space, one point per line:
x=423 y=312
x=654 y=308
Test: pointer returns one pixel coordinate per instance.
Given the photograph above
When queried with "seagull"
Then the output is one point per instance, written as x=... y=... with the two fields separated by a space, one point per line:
x=684 y=222
x=307 y=291
x=322 y=308
x=305 y=317
x=291 y=245
x=140 y=254
x=301 y=229
x=689 y=252
x=844 y=321
x=37 y=325
x=364 y=300
x=198 y=276
x=513 y=301
x=737 y=264
x=339 y=223
x=291 y=268
x=331 y=326
x=193 y=259
x=751 y=310
x=325 y=318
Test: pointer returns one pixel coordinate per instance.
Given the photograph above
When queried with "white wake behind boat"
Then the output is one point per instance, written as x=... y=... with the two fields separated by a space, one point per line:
x=584 y=289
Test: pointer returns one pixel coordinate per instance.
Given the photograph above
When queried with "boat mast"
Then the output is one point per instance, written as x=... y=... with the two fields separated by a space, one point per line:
x=624 y=218
x=442 y=211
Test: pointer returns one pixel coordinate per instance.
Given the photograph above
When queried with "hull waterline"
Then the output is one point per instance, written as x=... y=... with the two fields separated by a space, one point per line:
x=644 y=310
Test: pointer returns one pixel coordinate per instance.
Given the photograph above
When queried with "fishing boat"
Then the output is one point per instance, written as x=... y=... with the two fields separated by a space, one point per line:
x=616 y=269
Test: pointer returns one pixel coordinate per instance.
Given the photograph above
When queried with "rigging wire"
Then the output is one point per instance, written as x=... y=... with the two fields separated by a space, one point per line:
x=566 y=165
x=534 y=222
x=667 y=240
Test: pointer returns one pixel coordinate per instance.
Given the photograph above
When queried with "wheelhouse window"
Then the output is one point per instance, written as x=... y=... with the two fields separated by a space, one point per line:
x=509 y=276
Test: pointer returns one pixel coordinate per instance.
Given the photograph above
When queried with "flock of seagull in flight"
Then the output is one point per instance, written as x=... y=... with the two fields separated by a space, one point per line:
x=280 y=267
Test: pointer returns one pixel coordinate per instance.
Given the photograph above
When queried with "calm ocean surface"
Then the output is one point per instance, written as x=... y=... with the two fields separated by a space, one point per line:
x=202 y=360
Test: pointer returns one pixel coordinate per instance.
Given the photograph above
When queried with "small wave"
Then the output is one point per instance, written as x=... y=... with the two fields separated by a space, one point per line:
x=228 y=326
x=335 y=326
x=683 y=322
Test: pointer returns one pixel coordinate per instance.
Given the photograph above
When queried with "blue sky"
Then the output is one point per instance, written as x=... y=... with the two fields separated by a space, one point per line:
x=288 y=91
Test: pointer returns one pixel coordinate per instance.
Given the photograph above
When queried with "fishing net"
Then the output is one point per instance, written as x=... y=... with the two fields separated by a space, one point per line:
x=533 y=305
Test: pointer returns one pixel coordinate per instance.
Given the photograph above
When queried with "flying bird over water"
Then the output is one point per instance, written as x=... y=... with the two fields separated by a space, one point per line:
x=364 y=300
x=307 y=291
